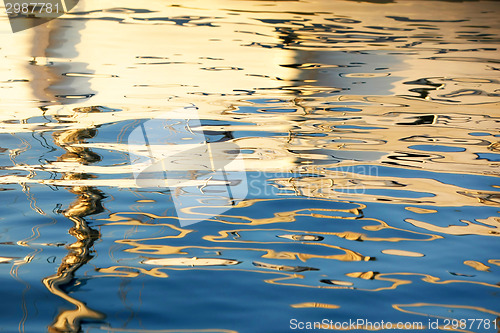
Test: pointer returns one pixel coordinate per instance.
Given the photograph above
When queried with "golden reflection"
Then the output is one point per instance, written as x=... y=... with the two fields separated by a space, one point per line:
x=362 y=275
x=154 y=249
x=283 y=267
x=420 y=210
x=294 y=151
x=50 y=88
x=225 y=235
x=307 y=238
x=278 y=281
x=484 y=197
x=288 y=216
x=348 y=256
x=403 y=308
x=282 y=217
x=138 y=247
x=402 y=253
x=388 y=277
x=130 y=272
x=393 y=278
x=479 y=266
x=425 y=278
x=191 y=262
x=117 y=219
x=286 y=153
x=469 y=228
x=450 y=308
x=355 y=186
x=494 y=261
x=314 y=305
x=88 y=202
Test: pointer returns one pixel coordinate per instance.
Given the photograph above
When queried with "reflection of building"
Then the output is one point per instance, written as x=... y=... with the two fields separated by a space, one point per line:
x=269 y=53
x=53 y=51
x=88 y=202
x=51 y=85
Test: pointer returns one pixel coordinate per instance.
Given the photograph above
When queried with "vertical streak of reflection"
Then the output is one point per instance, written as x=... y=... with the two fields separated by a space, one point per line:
x=58 y=39
x=88 y=202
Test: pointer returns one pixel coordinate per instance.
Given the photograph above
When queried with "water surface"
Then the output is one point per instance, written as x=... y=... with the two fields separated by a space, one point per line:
x=370 y=131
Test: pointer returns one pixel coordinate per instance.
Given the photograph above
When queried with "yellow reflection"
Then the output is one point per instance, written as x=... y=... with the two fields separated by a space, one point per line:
x=274 y=153
x=469 y=228
x=403 y=253
x=225 y=235
x=494 y=261
x=314 y=305
x=88 y=202
x=191 y=262
x=131 y=272
x=287 y=217
x=280 y=217
x=479 y=266
x=349 y=256
x=362 y=275
x=389 y=277
x=68 y=320
x=420 y=210
x=425 y=278
x=394 y=279
x=402 y=308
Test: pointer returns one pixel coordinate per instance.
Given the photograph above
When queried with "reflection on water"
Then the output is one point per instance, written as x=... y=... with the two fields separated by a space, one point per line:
x=371 y=144
x=88 y=202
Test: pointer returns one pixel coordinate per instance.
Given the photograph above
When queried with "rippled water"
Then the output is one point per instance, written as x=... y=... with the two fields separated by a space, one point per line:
x=370 y=131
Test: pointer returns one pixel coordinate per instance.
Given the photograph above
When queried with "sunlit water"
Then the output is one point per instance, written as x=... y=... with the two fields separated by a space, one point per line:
x=370 y=133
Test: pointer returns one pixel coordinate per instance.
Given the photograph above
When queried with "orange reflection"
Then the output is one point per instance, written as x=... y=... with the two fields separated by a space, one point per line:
x=470 y=228
x=401 y=307
x=314 y=305
x=88 y=202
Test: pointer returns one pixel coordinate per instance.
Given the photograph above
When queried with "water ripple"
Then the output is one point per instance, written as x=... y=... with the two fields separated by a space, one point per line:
x=370 y=136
